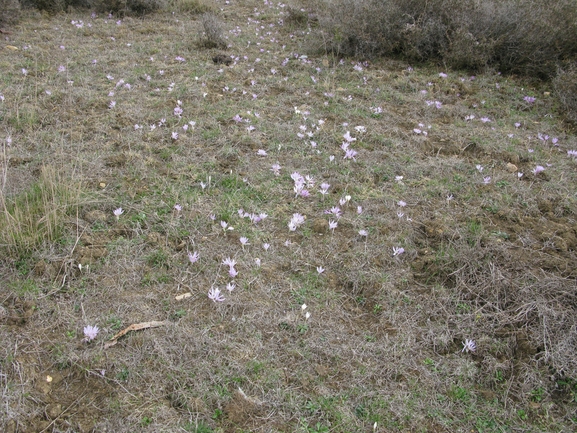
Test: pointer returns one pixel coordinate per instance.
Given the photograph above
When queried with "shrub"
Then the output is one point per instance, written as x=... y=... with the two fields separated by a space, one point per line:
x=527 y=37
x=55 y=6
x=566 y=88
x=128 y=7
x=9 y=12
x=212 y=34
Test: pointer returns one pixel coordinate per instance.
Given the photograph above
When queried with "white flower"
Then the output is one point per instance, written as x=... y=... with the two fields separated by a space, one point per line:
x=469 y=346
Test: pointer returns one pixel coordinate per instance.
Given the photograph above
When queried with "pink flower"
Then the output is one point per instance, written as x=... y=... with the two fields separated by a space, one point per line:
x=398 y=251
x=214 y=295
x=90 y=332
x=193 y=257
x=538 y=170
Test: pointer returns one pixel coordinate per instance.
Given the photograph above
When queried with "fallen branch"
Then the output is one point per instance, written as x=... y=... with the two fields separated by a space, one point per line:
x=133 y=327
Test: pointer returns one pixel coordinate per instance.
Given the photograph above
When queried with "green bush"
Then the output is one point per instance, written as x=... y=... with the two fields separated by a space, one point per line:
x=9 y=12
x=528 y=37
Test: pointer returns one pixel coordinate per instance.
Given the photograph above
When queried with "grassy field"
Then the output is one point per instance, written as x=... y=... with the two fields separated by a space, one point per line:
x=304 y=243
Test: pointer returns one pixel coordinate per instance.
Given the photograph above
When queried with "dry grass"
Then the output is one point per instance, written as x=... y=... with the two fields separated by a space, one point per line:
x=492 y=262
x=526 y=37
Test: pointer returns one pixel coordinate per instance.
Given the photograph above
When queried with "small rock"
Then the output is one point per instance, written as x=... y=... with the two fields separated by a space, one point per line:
x=53 y=410
x=512 y=168
x=320 y=225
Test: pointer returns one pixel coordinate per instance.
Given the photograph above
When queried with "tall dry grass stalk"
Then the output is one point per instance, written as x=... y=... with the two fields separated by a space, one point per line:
x=37 y=215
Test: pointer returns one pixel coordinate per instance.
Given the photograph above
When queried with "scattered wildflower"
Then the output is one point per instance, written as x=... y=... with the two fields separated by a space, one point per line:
x=401 y=203
x=90 y=332
x=333 y=225
x=296 y=221
x=485 y=119
x=400 y=214
x=398 y=251
x=363 y=233
x=335 y=210
x=244 y=241
x=193 y=257
x=350 y=154
x=442 y=75
x=517 y=124
x=529 y=99
x=359 y=210
x=320 y=269
x=118 y=212
x=348 y=137
x=519 y=175
x=261 y=152
x=214 y=295
x=266 y=246
x=174 y=135
x=112 y=104
x=538 y=170
x=303 y=307
x=230 y=286
x=469 y=346
x=487 y=180
x=275 y=168
x=479 y=167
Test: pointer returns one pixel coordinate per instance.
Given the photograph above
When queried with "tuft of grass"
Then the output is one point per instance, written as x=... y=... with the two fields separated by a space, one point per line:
x=566 y=88
x=9 y=12
x=191 y=6
x=212 y=34
x=38 y=214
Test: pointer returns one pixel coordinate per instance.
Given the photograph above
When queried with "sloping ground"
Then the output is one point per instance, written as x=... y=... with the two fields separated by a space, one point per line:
x=325 y=327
